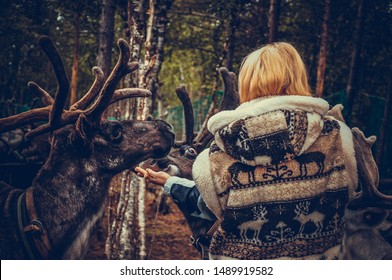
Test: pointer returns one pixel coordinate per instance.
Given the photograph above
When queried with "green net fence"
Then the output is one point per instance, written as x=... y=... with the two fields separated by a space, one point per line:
x=175 y=115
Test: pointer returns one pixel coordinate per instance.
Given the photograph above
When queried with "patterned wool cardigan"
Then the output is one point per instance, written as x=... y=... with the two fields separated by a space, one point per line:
x=278 y=175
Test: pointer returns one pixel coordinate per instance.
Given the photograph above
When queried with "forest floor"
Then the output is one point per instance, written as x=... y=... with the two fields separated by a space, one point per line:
x=167 y=235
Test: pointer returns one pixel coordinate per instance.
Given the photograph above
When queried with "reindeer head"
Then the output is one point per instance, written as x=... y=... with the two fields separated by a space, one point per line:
x=180 y=160
x=368 y=233
x=80 y=132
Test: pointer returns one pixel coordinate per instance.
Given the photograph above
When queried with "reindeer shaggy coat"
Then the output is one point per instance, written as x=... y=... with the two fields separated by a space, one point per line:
x=278 y=175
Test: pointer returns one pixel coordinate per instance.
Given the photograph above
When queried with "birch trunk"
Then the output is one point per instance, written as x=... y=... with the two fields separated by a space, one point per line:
x=128 y=229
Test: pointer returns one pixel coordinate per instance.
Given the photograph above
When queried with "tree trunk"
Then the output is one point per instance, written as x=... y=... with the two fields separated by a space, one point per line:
x=106 y=35
x=355 y=68
x=157 y=48
x=75 y=62
x=322 y=64
x=384 y=129
x=273 y=20
x=232 y=27
x=127 y=232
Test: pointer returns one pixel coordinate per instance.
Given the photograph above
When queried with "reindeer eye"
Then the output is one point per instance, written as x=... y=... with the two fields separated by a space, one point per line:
x=191 y=152
x=115 y=131
x=372 y=218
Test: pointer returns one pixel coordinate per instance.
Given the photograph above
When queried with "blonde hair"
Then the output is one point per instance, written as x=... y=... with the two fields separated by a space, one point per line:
x=275 y=69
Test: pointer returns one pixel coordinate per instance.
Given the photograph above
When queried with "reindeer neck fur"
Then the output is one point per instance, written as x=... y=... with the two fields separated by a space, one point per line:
x=69 y=193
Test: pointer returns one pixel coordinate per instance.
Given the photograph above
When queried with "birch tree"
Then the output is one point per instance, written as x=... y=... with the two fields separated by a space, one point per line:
x=126 y=238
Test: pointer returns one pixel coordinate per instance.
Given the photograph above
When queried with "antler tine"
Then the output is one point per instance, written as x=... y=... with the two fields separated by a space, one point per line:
x=42 y=94
x=67 y=118
x=230 y=99
x=336 y=112
x=125 y=93
x=183 y=95
x=367 y=167
x=121 y=68
x=93 y=91
x=35 y=115
x=203 y=141
x=62 y=80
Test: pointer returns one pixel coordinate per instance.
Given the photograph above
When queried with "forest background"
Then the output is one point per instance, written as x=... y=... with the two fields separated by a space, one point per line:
x=346 y=45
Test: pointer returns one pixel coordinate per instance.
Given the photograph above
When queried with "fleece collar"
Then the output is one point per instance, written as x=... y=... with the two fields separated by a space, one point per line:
x=263 y=105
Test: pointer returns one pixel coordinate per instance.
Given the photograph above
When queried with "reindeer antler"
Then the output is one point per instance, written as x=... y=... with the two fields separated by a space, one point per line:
x=368 y=174
x=121 y=69
x=89 y=97
x=336 y=112
x=62 y=80
x=230 y=101
x=367 y=167
x=183 y=95
x=54 y=111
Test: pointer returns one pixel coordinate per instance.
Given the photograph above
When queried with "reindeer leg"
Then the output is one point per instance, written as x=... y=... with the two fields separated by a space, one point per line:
x=253 y=175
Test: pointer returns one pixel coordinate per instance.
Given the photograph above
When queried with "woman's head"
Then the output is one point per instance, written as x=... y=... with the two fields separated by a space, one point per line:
x=275 y=69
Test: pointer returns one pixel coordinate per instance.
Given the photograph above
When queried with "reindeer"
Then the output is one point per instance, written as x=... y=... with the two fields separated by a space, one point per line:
x=368 y=228
x=303 y=217
x=255 y=225
x=236 y=168
x=368 y=232
x=180 y=160
x=308 y=158
x=54 y=217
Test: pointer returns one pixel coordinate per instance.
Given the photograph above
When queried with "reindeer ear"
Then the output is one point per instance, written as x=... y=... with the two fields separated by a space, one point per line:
x=83 y=126
x=81 y=138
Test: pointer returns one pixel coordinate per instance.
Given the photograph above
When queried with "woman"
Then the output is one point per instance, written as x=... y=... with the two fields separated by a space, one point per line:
x=280 y=171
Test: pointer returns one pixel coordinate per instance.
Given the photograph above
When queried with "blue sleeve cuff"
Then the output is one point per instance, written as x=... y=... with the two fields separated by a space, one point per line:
x=177 y=180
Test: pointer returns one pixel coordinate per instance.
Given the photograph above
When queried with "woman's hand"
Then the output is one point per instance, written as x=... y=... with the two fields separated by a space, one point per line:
x=158 y=178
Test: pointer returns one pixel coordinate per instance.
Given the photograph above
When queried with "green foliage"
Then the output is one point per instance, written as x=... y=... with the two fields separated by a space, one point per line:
x=22 y=22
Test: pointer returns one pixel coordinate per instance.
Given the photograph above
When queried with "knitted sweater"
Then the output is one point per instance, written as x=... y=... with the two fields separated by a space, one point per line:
x=278 y=175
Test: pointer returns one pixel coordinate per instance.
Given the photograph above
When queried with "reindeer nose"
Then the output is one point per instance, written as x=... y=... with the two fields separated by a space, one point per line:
x=165 y=127
x=163 y=124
